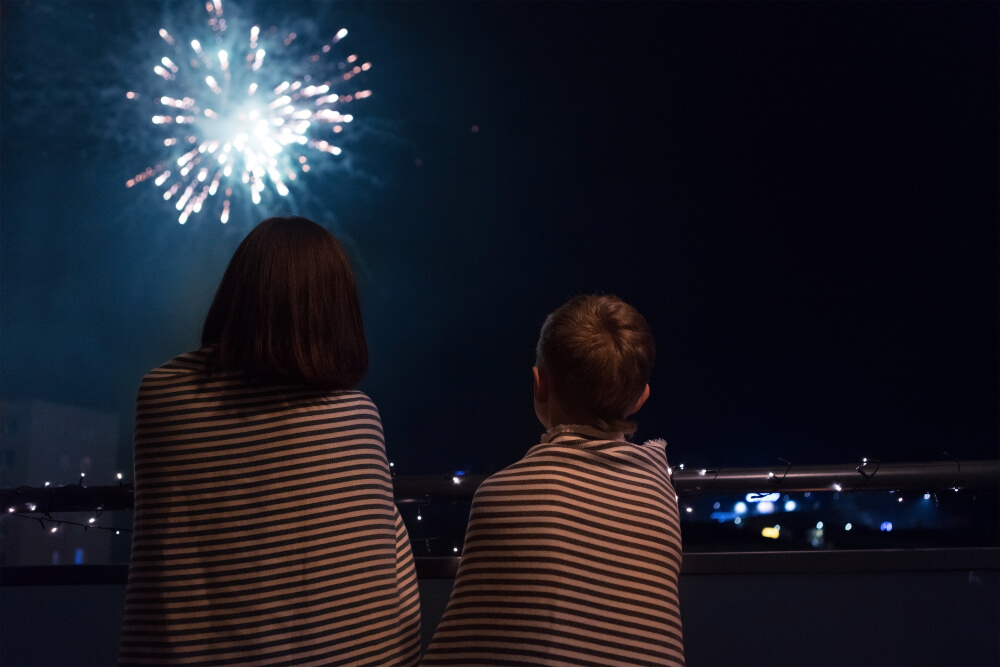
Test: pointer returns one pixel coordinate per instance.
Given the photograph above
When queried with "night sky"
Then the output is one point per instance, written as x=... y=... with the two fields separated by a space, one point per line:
x=801 y=198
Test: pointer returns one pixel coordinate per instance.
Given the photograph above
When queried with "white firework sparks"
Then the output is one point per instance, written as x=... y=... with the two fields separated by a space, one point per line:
x=231 y=122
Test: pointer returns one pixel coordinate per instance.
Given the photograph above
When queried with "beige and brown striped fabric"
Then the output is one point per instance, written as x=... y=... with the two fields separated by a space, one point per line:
x=265 y=528
x=571 y=558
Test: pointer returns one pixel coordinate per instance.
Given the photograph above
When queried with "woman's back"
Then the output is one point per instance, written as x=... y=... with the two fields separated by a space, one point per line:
x=265 y=528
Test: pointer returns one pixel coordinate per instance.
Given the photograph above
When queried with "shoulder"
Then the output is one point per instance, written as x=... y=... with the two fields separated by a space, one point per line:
x=183 y=366
x=189 y=361
x=657 y=447
x=351 y=398
x=344 y=404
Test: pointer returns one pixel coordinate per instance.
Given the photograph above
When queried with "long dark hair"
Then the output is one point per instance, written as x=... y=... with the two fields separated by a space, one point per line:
x=287 y=309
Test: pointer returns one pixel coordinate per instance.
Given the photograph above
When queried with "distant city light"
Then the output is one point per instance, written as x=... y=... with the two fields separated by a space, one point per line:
x=740 y=508
x=765 y=507
x=819 y=525
x=790 y=506
x=772 y=532
x=848 y=526
x=886 y=527
x=762 y=497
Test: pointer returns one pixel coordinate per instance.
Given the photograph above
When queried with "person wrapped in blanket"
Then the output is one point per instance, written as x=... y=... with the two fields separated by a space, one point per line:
x=572 y=554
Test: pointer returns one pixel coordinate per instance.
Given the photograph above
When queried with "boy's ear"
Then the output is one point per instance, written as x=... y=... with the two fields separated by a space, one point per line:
x=642 y=399
x=541 y=385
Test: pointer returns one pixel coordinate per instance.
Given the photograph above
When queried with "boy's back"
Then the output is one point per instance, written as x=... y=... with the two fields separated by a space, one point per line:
x=571 y=558
x=572 y=553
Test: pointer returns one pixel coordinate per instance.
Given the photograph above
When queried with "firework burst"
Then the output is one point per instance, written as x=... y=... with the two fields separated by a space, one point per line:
x=232 y=119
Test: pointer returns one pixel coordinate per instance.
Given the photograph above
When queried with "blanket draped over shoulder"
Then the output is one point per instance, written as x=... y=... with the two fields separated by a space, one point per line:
x=571 y=558
x=265 y=528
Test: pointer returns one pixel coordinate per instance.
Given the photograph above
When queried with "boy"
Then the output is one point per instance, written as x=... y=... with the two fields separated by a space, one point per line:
x=572 y=553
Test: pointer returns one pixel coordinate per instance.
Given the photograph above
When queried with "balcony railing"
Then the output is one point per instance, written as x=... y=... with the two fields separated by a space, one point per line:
x=926 y=476
x=900 y=606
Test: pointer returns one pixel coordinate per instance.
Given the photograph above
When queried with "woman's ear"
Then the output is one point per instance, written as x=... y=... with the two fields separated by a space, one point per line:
x=642 y=399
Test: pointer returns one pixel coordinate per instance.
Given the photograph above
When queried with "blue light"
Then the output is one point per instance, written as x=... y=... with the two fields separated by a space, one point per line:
x=886 y=527
x=763 y=497
x=78 y=556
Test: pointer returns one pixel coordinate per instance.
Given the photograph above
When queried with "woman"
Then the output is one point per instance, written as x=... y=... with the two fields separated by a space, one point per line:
x=265 y=528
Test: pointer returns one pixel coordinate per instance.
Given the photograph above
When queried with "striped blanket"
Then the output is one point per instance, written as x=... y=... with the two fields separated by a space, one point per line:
x=265 y=528
x=571 y=558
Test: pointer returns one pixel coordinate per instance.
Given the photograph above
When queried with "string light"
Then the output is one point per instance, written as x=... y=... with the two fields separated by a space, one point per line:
x=52 y=525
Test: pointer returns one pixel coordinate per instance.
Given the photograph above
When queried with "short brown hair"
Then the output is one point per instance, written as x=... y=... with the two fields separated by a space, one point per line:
x=287 y=309
x=598 y=352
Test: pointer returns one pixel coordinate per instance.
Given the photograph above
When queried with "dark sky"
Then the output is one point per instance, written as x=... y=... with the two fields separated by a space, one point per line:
x=802 y=199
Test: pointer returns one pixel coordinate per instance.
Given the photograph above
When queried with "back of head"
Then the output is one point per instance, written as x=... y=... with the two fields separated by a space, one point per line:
x=598 y=352
x=287 y=309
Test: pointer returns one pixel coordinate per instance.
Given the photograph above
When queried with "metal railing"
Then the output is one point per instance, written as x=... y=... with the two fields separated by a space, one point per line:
x=925 y=476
